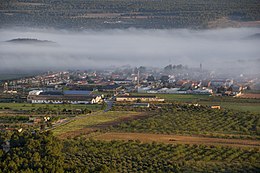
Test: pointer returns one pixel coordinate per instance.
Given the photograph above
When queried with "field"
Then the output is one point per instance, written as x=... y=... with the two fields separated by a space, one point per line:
x=176 y=139
x=166 y=137
x=25 y=115
x=240 y=104
x=85 y=124
x=133 y=156
x=255 y=95
x=29 y=107
x=193 y=120
x=251 y=107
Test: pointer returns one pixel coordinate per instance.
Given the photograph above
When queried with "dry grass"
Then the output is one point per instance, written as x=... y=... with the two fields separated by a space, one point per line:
x=250 y=95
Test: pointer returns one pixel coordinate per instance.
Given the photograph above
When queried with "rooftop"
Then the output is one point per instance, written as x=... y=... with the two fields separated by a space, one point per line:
x=77 y=92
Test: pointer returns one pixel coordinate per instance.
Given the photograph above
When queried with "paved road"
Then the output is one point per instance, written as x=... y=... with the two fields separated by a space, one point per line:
x=110 y=102
x=109 y=105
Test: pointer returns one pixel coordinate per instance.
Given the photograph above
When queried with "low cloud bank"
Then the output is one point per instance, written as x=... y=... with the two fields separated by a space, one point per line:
x=229 y=49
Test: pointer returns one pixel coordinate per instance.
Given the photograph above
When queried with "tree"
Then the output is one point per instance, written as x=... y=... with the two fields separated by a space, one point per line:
x=35 y=151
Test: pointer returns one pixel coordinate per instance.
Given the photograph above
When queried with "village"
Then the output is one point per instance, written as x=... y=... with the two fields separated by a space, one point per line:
x=91 y=87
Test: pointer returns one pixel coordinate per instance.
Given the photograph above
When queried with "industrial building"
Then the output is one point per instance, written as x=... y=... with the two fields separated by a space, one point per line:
x=59 y=97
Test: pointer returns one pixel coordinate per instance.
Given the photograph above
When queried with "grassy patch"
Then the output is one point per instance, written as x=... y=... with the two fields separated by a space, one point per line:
x=90 y=120
x=252 y=107
x=28 y=106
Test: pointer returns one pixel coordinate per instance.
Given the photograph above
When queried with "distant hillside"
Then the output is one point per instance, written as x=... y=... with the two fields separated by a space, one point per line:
x=30 y=41
x=100 y=14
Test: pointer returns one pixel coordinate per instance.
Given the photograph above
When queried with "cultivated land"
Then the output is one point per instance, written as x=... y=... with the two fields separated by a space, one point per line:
x=25 y=115
x=133 y=156
x=194 y=120
x=177 y=139
x=85 y=124
x=174 y=136
x=30 y=107
x=166 y=137
x=240 y=104
x=171 y=124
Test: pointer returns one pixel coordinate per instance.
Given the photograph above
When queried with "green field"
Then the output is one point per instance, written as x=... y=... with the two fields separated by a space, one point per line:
x=192 y=120
x=240 y=104
x=251 y=107
x=28 y=106
x=85 y=121
x=183 y=97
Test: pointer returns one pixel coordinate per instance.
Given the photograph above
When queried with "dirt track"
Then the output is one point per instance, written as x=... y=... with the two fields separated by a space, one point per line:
x=250 y=96
x=176 y=139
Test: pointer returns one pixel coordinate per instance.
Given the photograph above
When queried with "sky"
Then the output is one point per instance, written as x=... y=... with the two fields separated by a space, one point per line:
x=219 y=49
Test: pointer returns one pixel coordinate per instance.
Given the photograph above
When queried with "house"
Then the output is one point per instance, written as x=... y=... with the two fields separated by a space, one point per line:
x=215 y=107
x=216 y=83
x=142 y=98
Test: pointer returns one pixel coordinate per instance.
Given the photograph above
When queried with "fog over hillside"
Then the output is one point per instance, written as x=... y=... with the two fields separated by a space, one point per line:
x=232 y=49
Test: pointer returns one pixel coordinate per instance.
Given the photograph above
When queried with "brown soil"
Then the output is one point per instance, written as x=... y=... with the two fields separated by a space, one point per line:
x=75 y=133
x=177 y=139
x=250 y=95
x=121 y=120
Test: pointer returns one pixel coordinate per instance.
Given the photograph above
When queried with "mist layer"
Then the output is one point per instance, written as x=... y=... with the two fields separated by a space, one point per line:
x=230 y=49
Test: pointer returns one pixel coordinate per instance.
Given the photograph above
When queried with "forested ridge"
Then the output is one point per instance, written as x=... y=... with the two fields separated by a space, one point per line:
x=100 y=14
